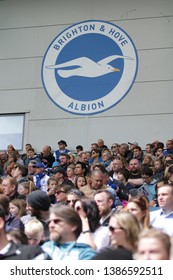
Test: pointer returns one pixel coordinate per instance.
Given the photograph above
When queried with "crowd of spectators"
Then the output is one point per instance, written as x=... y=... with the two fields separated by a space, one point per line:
x=102 y=203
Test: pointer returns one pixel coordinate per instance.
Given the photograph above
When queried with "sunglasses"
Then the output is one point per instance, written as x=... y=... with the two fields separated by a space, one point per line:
x=55 y=221
x=72 y=200
x=58 y=192
x=114 y=147
x=112 y=229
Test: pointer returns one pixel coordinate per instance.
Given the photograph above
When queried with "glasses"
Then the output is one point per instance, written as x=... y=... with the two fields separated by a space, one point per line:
x=112 y=229
x=114 y=147
x=72 y=200
x=55 y=221
x=58 y=192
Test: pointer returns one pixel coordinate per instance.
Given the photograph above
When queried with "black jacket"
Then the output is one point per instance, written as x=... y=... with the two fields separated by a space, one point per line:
x=24 y=252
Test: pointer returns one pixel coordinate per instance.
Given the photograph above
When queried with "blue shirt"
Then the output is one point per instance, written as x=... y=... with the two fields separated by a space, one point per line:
x=68 y=251
x=162 y=221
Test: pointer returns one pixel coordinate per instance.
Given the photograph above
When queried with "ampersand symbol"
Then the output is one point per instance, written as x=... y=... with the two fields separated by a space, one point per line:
x=102 y=28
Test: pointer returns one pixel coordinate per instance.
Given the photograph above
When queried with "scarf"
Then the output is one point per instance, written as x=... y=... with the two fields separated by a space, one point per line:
x=38 y=179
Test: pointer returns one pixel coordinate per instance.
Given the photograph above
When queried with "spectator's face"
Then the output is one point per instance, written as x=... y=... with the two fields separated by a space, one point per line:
x=97 y=181
x=59 y=230
x=165 y=197
x=146 y=179
x=14 y=210
x=8 y=188
x=63 y=160
x=78 y=170
x=39 y=170
x=151 y=249
x=134 y=165
x=81 y=182
x=34 y=238
x=116 y=165
x=135 y=210
x=31 y=169
x=104 y=205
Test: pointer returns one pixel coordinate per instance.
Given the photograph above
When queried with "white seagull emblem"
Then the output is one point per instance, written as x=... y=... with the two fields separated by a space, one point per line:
x=85 y=67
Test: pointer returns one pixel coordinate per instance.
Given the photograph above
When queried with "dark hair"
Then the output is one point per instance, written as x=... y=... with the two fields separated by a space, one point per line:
x=125 y=172
x=147 y=171
x=91 y=209
x=79 y=147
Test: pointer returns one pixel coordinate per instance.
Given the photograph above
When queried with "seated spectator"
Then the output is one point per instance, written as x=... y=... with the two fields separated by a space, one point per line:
x=17 y=236
x=9 y=186
x=70 y=173
x=139 y=206
x=148 y=187
x=47 y=157
x=158 y=169
x=65 y=227
x=93 y=233
x=19 y=172
x=38 y=204
x=124 y=230
x=26 y=187
x=11 y=221
x=148 y=161
x=31 y=155
x=80 y=182
x=72 y=196
x=17 y=207
x=52 y=188
x=95 y=157
x=135 y=173
x=13 y=251
x=40 y=177
x=105 y=203
x=153 y=244
x=110 y=253
x=34 y=231
x=162 y=218
x=169 y=148
x=61 y=193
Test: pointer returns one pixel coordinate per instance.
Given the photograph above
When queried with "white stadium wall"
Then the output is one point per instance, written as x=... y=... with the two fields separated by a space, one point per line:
x=145 y=114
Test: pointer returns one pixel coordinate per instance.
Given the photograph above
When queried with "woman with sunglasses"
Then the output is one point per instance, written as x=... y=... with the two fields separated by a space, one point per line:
x=93 y=233
x=124 y=230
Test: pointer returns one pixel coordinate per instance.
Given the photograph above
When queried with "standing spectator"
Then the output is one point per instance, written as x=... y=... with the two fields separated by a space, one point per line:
x=62 y=150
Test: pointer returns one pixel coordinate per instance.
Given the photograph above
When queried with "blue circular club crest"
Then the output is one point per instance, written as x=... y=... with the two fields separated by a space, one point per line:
x=89 y=67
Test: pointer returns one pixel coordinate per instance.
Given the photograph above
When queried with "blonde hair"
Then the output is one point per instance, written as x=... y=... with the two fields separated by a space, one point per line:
x=34 y=226
x=129 y=223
